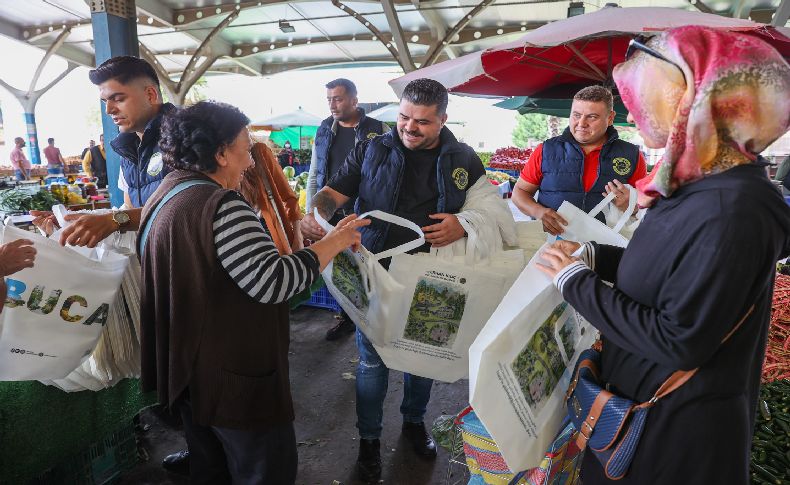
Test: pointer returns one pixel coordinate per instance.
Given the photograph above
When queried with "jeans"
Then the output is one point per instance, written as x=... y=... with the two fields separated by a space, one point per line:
x=21 y=174
x=372 y=381
x=223 y=456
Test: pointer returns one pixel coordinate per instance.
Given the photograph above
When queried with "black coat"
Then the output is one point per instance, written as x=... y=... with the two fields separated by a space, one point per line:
x=696 y=264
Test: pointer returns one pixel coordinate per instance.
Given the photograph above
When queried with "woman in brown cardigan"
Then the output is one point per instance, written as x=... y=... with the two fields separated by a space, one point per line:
x=214 y=311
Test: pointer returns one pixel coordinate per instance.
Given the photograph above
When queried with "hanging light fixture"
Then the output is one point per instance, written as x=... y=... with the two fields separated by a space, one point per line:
x=286 y=27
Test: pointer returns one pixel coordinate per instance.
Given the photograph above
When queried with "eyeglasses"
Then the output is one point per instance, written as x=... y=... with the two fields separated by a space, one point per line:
x=639 y=44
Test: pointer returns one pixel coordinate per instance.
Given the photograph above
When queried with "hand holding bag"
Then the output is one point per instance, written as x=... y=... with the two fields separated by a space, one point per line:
x=608 y=424
x=361 y=285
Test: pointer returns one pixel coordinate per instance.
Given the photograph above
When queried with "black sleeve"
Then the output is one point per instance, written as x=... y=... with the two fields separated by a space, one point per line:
x=347 y=179
x=607 y=259
x=691 y=317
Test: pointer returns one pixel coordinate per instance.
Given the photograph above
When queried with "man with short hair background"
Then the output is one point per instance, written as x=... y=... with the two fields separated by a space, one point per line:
x=422 y=173
x=55 y=162
x=581 y=166
x=335 y=139
x=94 y=162
x=19 y=161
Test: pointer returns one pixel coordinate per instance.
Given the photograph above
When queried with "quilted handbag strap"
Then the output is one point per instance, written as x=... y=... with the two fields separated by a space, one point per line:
x=678 y=378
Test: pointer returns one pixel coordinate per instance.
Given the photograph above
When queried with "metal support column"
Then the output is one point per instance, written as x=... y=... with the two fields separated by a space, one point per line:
x=114 y=34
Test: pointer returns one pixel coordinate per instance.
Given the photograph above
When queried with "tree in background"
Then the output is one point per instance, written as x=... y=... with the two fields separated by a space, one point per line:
x=197 y=92
x=530 y=127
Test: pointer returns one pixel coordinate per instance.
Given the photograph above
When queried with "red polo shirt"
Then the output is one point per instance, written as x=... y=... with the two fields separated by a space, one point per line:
x=533 y=174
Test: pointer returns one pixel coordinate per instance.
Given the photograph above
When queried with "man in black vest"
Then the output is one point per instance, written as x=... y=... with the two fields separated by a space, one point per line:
x=94 y=162
x=334 y=140
x=421 y=173
x=580 y=166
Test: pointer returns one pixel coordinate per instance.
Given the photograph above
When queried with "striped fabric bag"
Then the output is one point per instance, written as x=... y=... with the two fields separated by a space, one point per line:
x=560 y=466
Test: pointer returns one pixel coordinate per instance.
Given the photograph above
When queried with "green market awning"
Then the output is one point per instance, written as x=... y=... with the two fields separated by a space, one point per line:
x=556 y=107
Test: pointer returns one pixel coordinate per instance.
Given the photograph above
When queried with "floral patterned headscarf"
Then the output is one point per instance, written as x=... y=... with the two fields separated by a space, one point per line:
x=715 y=101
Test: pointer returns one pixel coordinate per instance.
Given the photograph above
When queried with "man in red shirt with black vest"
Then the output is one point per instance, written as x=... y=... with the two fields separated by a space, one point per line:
x=581 y=166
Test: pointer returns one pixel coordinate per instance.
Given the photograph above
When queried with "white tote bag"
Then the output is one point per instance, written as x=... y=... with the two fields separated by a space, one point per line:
x=446 y=301
x=55 y=311
x=521 y=362
x=362 y=287
x=584 y=227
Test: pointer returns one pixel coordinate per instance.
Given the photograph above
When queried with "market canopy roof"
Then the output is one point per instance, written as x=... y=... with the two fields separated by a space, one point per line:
x=269 y=36
x=298 y=117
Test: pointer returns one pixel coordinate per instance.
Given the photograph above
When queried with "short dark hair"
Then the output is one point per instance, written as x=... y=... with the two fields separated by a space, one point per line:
x=50 y=140
x=123 y=69
x=350 y=87
x=596 y=94
x=426 y=92
x=192 y=136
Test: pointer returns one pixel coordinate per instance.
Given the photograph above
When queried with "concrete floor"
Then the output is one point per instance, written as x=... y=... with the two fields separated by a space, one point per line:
x=325 y=418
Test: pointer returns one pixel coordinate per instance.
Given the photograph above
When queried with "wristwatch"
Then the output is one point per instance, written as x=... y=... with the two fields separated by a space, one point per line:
x=122 y=219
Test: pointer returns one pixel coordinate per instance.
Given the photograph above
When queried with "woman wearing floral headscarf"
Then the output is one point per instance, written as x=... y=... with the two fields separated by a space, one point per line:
x=704 y=255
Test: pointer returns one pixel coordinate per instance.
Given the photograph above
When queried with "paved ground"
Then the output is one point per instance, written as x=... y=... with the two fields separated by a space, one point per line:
x=325 y=418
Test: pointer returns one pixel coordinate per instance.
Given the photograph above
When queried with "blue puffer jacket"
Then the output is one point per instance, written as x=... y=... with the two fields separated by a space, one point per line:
x=563 y=168
x=366 y=128
x=141 y=161
x=382 y=171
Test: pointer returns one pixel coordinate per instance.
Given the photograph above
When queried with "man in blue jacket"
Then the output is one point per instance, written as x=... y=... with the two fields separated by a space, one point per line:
x=581 y=166
x=130 y=91
x=422 y=173
x=335 y=139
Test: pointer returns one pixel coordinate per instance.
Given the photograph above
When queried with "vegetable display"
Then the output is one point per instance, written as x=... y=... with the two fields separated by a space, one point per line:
x=17 y=200
x=777 y=352
x=771 y=443
x=510 y=158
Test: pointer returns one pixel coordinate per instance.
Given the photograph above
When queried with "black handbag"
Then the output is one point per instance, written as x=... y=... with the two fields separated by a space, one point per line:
x=610 y=425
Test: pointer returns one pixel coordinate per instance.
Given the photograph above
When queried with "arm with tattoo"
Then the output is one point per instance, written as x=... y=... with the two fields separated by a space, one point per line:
x=325 y=203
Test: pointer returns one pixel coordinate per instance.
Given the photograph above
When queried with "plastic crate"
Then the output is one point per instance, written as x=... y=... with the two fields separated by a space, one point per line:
x=323 y=299
x=101 y=463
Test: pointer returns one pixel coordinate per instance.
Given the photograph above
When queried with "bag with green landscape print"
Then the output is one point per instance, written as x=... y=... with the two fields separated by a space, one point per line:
x=362 y=287
x=447 y=300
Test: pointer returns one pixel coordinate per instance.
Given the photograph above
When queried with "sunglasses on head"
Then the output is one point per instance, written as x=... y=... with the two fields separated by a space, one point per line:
x=640 y=44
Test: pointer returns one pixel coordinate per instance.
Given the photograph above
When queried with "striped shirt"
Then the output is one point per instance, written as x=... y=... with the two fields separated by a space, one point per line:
x=251 y=259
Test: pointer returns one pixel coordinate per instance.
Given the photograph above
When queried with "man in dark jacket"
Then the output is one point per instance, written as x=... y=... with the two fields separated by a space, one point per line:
x=581 y=166
x=419 y=172
x=336 y=138
x=129 y=88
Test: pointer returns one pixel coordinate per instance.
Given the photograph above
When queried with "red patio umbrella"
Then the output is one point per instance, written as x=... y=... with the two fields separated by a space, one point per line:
x=558 y=59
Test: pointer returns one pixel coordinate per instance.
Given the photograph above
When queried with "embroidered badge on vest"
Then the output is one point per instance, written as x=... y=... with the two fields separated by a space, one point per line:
x=461 y=178
x=155 y=164
x=621 y=166
x=372 y=135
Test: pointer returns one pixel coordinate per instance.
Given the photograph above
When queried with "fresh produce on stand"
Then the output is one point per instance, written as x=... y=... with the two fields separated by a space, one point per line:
x=771 y=443
x=510 y=158
x=497 y=177
x=777 y=353
x=12 y=200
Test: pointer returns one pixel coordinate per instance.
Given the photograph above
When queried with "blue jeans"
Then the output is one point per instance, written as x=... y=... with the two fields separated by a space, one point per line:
x=21 y=174
x=372 y=381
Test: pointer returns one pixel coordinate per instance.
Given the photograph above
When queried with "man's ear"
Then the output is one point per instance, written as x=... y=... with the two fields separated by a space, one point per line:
x=152 y=94
x=444 y=119
x=611 y=118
